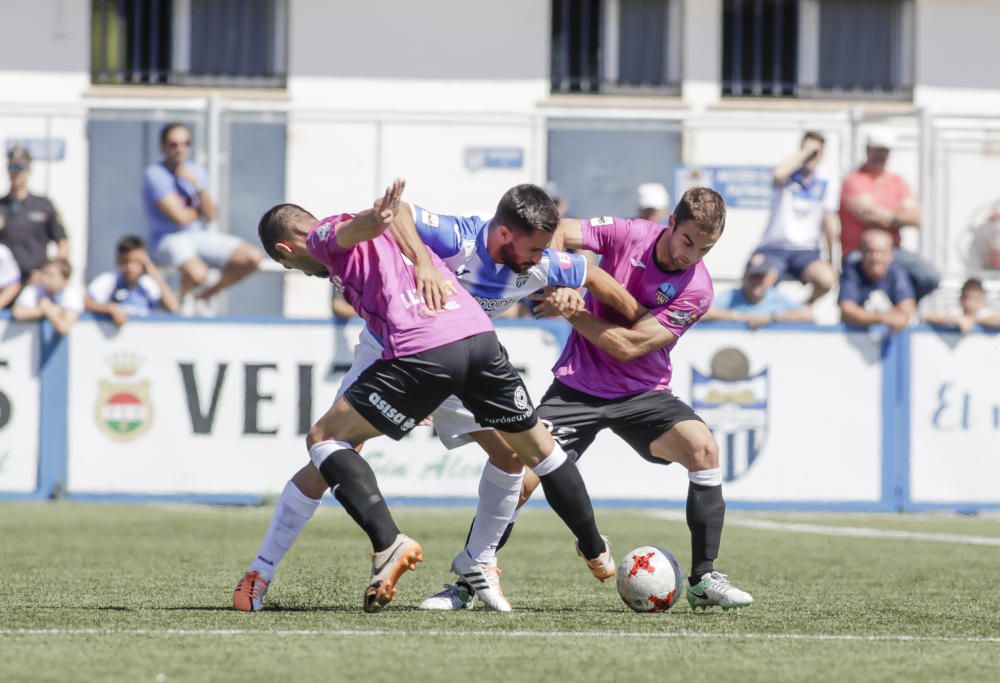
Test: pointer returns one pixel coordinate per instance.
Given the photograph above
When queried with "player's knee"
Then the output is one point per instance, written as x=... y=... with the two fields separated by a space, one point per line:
x=317 y=434
x=704 y=454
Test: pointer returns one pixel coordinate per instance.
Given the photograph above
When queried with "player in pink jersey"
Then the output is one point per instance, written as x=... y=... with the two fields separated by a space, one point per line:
x=615 y=373
x=428 y=355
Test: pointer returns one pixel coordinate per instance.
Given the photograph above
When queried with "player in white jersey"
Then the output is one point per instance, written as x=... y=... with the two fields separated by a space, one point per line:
x=500 y=262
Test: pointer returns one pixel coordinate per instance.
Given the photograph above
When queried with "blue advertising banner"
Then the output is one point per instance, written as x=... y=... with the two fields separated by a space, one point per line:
x=743 y=187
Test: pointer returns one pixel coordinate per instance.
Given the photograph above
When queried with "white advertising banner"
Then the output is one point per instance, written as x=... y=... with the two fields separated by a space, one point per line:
x=223 y=408
x=797 y=416
x=19 y=406
x=183 y=407
x=954 y=418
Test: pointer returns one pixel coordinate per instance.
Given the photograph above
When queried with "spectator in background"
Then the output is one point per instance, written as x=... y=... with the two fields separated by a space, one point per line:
x=653 y=202
x=873 y=197
x=757 y=302
x=875 y=289
x=137 y=288
x=339 y=307
x=28 y=222
x=803 y=209
x=178 y=205
x=10 y=277
x=51 y=297
x=974 y=312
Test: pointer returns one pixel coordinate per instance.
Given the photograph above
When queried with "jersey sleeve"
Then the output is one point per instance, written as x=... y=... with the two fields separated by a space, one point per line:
x=322 y=239
x=9 y=272
x=28 y=297
x=685 y=310
x=604 y=233
x=831 y=201
x=102 y=288
x=444 y=234
x=900 y=286
x=850 y=285
x=148 y=283
x=564 y=269
x=158 y=183
x=72 y=299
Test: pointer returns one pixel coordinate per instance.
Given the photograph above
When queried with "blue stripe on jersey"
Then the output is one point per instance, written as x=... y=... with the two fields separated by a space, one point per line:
x=444 y=234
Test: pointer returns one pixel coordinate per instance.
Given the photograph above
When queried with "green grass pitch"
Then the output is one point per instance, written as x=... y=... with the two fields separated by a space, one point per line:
x=94 y=592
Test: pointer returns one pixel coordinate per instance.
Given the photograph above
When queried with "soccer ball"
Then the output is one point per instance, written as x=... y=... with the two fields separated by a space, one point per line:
x=649 y=579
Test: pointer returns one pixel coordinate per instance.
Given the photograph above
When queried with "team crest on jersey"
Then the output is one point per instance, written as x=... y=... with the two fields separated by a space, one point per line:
x=733 y=404
x=124 y=409
x=428 y=218
x=323 y=231
x=565 y=260
x=521 y=279
x=601 y=221
x=665 y=293
x=520 y=398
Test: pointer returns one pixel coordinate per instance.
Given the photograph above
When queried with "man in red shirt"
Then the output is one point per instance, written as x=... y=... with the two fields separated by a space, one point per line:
x=874 y=197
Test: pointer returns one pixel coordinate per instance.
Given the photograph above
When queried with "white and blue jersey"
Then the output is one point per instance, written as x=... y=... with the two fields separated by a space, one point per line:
x=461 y=243
x=111 y=288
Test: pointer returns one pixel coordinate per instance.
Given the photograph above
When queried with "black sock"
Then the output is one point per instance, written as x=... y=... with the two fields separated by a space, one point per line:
x=506 y=535
x=706 y=513
x=567 y=495
x=354 y=485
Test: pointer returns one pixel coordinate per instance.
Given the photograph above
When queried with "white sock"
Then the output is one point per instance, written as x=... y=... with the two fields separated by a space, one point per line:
x=499 y=492
x=294 y=509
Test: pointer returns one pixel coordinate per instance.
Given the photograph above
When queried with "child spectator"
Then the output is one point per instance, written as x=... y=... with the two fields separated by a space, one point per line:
x=137 y=288
x=51 y=297
x=974 y=312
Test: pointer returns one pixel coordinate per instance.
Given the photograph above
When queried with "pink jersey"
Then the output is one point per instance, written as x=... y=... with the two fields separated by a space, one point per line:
x=378 y=281
x=676 y=299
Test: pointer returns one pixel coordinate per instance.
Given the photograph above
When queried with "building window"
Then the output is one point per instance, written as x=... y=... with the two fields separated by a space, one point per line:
x=818 y=48
x=616 y=46
x=226 y=43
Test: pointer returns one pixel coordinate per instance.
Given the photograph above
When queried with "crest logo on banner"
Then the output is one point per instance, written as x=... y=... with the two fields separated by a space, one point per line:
x=124 y=409
x=733 y=403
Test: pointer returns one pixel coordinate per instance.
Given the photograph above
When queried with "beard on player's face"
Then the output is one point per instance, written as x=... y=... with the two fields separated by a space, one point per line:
x=508 y=256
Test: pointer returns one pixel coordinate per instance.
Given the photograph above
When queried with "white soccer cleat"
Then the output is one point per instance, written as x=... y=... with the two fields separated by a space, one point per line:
x=250 y=592
x=603 y=566
x=455 y=596
x=484 y=580
x=387 y=566
x=715 y=589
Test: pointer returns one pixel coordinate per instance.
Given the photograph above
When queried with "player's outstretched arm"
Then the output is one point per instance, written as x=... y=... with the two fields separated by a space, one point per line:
x=568 y=234
x=611 y=293
x=371 y=223
x=623 y=343
x=431 y=284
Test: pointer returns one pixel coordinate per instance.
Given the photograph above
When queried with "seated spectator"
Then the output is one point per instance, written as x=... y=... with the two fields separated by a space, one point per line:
x=137 y=288
x=974 y=312
x=653 y=202
x=757 y=302
x=873 y=197
x=339 y=307
x=803 y=209
x=875 y=289
x=10 y=277
x=50 y=297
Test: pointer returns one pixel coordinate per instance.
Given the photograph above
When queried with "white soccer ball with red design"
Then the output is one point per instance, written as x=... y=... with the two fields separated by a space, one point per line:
x=649 y=579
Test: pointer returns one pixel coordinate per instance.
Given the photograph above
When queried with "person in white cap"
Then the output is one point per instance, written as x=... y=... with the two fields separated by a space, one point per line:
x=874 y=197
x=653 y=202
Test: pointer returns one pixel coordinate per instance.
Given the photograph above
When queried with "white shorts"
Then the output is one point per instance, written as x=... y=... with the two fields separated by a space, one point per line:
x=213 y=248
x=452 y=420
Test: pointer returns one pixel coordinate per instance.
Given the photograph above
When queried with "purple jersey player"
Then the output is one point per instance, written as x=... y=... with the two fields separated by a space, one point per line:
x=615 y=373
x=430 y=351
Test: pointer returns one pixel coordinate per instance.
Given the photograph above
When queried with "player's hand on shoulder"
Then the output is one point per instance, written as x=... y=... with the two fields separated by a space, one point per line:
x=432 y=285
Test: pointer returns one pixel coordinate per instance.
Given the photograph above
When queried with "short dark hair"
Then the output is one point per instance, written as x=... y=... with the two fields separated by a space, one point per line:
x=814 y=135
x=165 y=131
x=705 y=207
x=275 y=223
x=527 y=208
x=62 y=264
x=128 y=244
x=973 y=285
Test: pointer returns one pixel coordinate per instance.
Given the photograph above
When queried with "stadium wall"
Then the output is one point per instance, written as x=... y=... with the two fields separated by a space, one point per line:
x=858 y=422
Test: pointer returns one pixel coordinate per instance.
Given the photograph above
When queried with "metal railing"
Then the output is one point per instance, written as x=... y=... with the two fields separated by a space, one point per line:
x=228 y=43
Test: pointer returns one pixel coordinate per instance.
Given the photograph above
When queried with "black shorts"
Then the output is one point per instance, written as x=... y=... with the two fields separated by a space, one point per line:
x=395 y=395
x=575 y=418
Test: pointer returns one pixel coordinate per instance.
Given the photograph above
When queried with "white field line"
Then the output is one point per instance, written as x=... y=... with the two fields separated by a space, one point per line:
x=440 y=633
x=851 y=531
